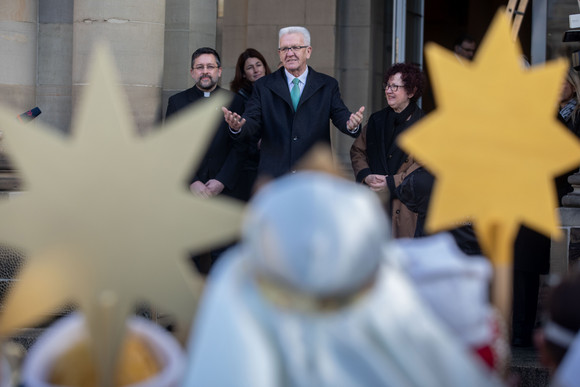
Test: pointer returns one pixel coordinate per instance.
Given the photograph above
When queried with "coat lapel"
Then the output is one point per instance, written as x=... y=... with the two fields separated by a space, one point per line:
x=277 y=83
x=313 y=83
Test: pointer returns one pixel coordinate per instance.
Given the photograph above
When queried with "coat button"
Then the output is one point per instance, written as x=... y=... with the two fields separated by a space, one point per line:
x=398 y=211
x=390 y=156
x=295 y=138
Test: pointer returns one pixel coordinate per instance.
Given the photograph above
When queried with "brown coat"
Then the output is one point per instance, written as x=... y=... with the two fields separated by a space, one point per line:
x=375 y=152
x=404 y=221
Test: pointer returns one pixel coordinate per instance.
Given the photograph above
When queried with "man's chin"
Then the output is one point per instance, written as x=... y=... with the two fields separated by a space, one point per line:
x=205 y=86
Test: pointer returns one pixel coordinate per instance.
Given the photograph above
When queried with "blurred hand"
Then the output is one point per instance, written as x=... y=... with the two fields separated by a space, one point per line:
x=214 y=187
x=234 y=120
x=199 y=189
x=376 y=182
x=355 y=119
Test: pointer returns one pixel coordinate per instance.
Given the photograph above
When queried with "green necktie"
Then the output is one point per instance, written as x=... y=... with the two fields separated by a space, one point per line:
x=295 y=93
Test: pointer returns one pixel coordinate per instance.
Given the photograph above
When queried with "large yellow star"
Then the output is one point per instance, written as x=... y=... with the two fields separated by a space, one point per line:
x=494 y=142
x=107 y=220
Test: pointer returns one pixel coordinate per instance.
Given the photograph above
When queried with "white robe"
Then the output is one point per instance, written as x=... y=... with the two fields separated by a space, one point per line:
x=386 y=338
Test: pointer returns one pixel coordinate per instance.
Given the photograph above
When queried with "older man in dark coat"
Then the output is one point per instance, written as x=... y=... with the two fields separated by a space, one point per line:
x=291 y=107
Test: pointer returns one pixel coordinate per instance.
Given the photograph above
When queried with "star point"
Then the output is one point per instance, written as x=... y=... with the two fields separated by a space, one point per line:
x=494 y=142
x=109 y=212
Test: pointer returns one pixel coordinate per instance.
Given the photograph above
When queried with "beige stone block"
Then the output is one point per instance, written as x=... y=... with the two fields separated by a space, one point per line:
x=199 y=39
x=137 y=49
x=203 y=15
x=321 y=12
x=264 y=38
x=21 y=98
x=227 y=76
x=341 y=144
x=18 y=48
x=355 y=47
x=355 y=13
x=55 y=54
x=19 y=11
x=177 y=14
x=355 y=88
x=377 y=99
x=279 y=13
x=176 y=74
x=55 y=103
x=236 y=12
x=234 y=42
x=145 y=103
x=114 y=11
x=330 y=71
x=323 y=41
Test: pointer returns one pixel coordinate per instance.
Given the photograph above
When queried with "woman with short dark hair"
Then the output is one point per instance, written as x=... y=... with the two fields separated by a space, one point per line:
x=377 y=160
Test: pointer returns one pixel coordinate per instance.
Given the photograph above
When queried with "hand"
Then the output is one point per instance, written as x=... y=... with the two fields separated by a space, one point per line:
x=234 y=120
x=355 y=119
x=199 y=189
x=214 y=187
x=376 y=182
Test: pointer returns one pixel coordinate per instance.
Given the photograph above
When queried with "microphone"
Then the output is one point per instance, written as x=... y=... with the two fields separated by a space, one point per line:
x=29 y=115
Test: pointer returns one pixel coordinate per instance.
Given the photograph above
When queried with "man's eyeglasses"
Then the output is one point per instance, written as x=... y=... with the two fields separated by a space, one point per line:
x=293 y=49
x=209 y=67
x=394 y=88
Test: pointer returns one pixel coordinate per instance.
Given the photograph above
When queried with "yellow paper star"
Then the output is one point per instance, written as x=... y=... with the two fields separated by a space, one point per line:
x=107 y=221
x=494 y=142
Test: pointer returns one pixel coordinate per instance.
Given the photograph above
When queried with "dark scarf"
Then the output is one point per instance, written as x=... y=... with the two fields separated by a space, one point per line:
x=399 y=118
x=396 y=124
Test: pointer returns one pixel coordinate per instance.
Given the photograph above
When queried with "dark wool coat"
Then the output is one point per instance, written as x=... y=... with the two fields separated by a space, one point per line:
x=287 y=135
x=376 y=152
x=224 y=158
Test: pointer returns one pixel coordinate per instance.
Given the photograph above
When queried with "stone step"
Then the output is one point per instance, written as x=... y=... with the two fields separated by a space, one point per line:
x=526 y=368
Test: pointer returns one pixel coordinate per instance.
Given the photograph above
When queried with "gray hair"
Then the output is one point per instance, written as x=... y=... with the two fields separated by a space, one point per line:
x=295 y=30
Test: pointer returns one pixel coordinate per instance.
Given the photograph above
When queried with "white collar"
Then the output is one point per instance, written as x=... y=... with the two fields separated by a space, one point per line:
x=301 y=77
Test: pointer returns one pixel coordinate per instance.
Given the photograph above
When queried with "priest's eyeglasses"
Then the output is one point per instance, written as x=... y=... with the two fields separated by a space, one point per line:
x=209 y=67
x=394 y=88
x=293 y=49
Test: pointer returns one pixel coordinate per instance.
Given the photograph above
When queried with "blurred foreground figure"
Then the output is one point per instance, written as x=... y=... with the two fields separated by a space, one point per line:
x=558 y=341
x=456 y=288
x=311 y=297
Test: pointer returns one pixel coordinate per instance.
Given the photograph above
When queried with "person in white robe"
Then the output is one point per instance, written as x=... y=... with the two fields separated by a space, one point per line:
x=311 y=297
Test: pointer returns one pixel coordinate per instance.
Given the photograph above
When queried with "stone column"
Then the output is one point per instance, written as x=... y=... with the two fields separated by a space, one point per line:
x=360 y=52
x=189 y=24
x=134 y=30
x=55 y=40
x=18 y=58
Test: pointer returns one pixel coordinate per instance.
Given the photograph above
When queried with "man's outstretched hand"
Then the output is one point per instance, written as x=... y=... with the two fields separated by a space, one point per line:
x=355 y=119
x=234 y=120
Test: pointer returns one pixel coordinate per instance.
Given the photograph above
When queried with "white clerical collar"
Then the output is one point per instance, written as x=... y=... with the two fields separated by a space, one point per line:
x=206 y=94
